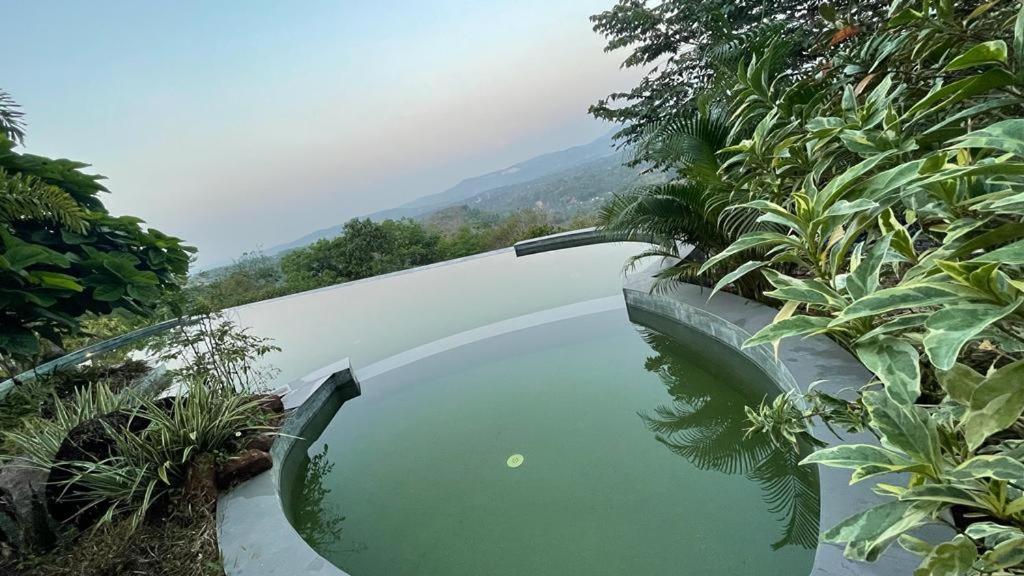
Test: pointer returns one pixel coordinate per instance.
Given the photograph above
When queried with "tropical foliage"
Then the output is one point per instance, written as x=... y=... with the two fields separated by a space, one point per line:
x=873 y=185
x=63 y=256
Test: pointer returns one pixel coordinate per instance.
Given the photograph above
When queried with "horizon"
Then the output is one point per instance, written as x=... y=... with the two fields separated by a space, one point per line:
x=176 y=113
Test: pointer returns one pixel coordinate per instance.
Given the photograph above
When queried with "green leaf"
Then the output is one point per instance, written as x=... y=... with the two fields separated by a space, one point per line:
x=904 y=428
x=746 y=242
x=953 y=558
x=869 y=523
x=959 y=382
x=25 y=255
x=1007 y=136
x=1011 y=255
x=864 y=279
x=855 y=456
x=995 y=405
x=991 y=52
x=915 y=295
x=108 y=292
x=950 y=328
x=870 y=532
x=18 y=340
x=986 y=530
x=794 y=326
x=943 y=493
x=960 y=90
x=896 y=363
x=56 y=280
x=989 y=466
x=1005 y=555
x=736 y=274
x=808 y=290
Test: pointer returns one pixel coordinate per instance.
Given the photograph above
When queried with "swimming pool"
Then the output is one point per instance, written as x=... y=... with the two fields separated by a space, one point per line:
x=579 y=444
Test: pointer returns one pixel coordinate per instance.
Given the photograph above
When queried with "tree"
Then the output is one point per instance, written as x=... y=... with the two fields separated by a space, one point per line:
x=63 y=255
x=687 y=44
x=364 y=248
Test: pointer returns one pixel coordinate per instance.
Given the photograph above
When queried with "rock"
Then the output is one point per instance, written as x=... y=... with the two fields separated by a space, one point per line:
x=24 y=523
x=270 y=403
x=90 y=441
x=242 y=467
x=262 y=442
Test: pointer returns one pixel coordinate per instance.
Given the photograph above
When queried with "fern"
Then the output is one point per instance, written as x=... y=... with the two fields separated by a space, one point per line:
x=28 y=198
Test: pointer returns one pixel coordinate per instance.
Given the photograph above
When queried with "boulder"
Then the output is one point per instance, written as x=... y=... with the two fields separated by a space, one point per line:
x=262 y=442
x=271 y=403
x=90 y=441
x=24 y=522
x=242 y=467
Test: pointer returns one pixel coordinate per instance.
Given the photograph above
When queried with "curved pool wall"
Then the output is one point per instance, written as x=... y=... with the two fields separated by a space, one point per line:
x=256 y=537
x=255 y=533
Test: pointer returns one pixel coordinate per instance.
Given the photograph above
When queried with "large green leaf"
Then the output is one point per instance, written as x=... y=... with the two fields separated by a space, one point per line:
x=942 y=493
x=995 y=405
x=896 y=363
x=1011 y=254
x=25 y=255
x=915 y=295
x=736 y=274
x=746 y=242
x=904 y=428
x=870 y=532
x=953 y=558
x=805 y=290
x=855 y=456
x=997 y=467
x=991 y=52
x=953 y=326
x=1005 y=555
x=1007 y=136
x=795 y=326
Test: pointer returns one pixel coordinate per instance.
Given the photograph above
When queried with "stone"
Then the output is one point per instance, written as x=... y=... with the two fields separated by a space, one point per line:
x=262 y=442
x=245 y=465
x=24 y=522
x=90 y=441
x=271 y=403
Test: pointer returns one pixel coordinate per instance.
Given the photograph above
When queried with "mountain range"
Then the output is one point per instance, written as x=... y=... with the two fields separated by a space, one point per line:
x=566 y=183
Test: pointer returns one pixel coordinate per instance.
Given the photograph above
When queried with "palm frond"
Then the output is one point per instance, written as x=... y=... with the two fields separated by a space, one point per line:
x=12 y=124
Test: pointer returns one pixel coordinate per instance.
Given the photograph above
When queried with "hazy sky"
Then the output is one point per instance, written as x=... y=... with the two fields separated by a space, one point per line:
x=239 y=124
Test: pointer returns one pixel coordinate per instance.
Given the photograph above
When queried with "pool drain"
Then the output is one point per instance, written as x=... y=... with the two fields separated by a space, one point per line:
x=515 y=461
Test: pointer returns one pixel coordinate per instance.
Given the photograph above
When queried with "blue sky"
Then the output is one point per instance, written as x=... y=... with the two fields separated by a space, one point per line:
x=239 y=124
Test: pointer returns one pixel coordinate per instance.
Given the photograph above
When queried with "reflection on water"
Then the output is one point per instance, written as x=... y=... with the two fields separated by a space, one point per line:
x=318 y=520
x=418 y=463
x=708 y=428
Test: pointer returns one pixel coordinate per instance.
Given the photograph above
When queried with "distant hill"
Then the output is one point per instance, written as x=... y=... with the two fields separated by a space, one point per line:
x=566 y=183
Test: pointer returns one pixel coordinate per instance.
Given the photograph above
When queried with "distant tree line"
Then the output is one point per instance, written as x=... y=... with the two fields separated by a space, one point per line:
x=366 y=248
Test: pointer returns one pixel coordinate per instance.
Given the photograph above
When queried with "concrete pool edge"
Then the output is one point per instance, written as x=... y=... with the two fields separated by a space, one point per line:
x=801 y=363
x=253 y=532
x=255 y=535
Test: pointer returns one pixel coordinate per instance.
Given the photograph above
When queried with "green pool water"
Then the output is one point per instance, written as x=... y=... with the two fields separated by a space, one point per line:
x=633 y=462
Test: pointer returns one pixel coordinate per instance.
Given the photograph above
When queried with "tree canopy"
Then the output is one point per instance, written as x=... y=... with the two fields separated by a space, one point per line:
x=63 y=255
